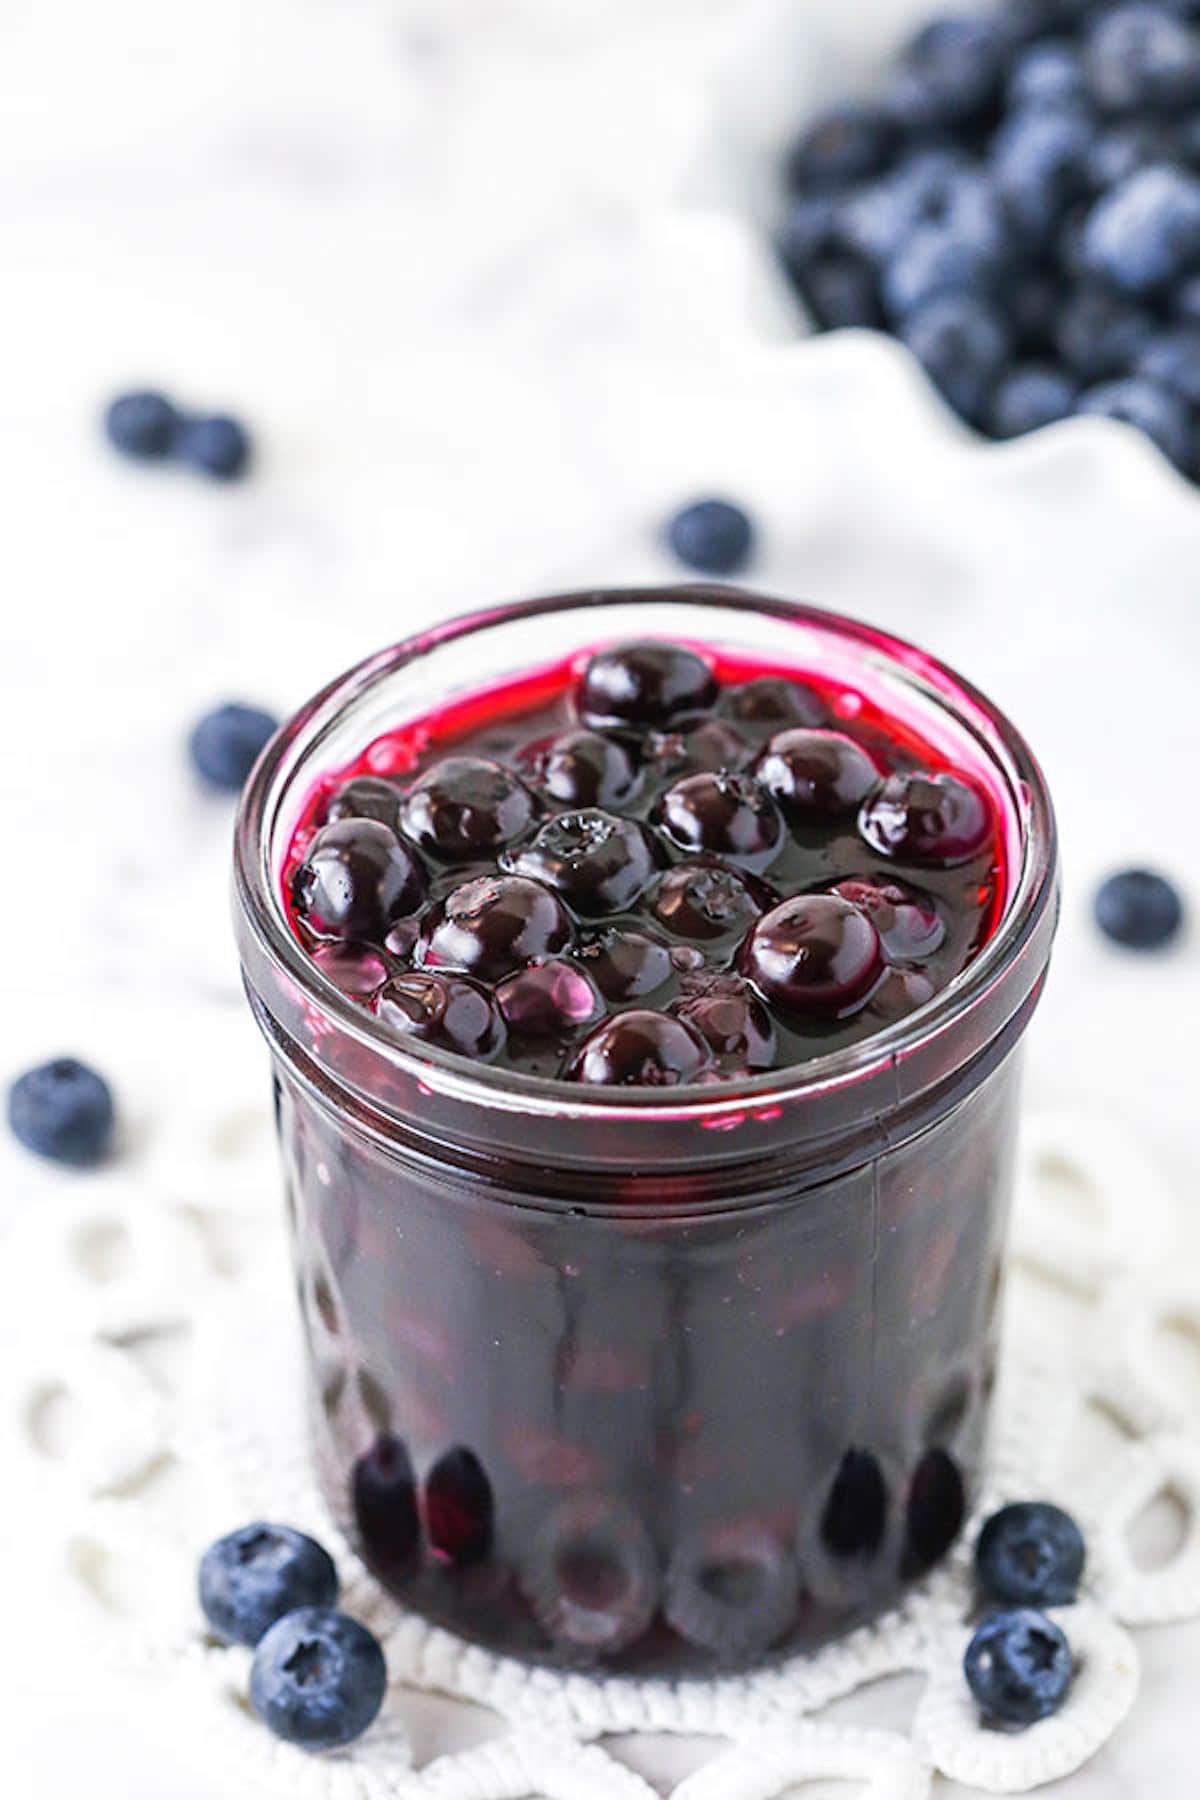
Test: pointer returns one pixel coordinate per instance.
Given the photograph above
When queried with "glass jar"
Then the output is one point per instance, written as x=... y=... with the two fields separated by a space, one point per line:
x=672 y=1379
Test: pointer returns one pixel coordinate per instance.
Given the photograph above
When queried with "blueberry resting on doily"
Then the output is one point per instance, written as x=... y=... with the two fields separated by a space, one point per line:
x=1030 y=1554
x=1018 y=1666
x=318 y=1678
x=63 y=1111
x=254 y=1576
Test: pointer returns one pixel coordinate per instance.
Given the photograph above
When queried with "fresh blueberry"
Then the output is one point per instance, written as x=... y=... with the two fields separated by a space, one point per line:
x=1172 y=361
x=845 y=145
x=712 y=536
x=141 y=425
x=459 y=1508
x=493 y=926
x=1018 y=1666
x=1125 y=148
x=841 y=291
x=923 y=189
x=1039 y=161
x=641 y=1048
x=63 y=1111
x=1100 y=335
x=1144 y=234
x=591 y=1576
x=318 y=1678
x=1185 y=301
x=251 y=1578
x=814 y=954
x=384 y=1493
x=963 y=344
x=1028 y=20
x=1030 y=1554
x=1140 y=57
x=1028 y=397
x=1050 y=73
x=1138 y=909
x=1162 y=416
x=1033 y=299
x=731 y=1590
x=938 y=819
x=810 y=228
x=951 y=73
x=226 y=743
x=215 y=444
x=449 y=1011
x=961 y=250
x=356 y=880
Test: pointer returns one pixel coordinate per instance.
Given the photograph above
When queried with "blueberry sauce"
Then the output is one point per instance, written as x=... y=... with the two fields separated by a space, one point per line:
x=632 y=831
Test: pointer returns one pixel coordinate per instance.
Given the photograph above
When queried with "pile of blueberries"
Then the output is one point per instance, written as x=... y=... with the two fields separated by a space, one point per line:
x=318 y=1677
x=1020 y=203
x=149 y=427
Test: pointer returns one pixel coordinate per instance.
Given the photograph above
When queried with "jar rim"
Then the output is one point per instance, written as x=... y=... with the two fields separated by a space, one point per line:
x=1032 y=892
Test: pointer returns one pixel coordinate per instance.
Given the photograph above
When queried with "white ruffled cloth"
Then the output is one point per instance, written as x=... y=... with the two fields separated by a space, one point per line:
x=170 y=1410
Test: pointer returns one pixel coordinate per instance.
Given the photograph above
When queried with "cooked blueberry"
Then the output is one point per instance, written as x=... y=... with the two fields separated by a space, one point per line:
x=960 y=251
x=1050 y=73
x=640 y=1049
x=813 y=954
x=626 y=965
x=773 y=702
x=254 y=1576
x=459 y=1508
x=731 y=1019
x=366 y=797
x=855 y=1515
x=466 y=807
x=582 y=768
x=1099 y=334
x=715 y=537
x=1030 y=1554
x=491 y=926
x=598 y=862
x=384 y=1497
x=1028 y=397
x=356 y=880
x=934 y=819
x=842 y=146
x=226 y=743
x=907 y=920
x=937 y=1506
x=731 y=1590
x=963 y=344
x=841 y=291
x=1163 y=416
x=354 y=969
x=318 y=1678
x=591 y=1576
x=1138 y=909
x=645 y=685
x=1145 y=232
x=713 y=744
x=901 y=992
x=451 y=1012
x=215 y=444
x=1039 y=161
x=704 y=901
x=64 y=1111
x=1172 y=361
x=1140 y=57
x=548 y=1001
x=729 y=816
x=141 y=425
x=1018 y=1666
x=816 y=775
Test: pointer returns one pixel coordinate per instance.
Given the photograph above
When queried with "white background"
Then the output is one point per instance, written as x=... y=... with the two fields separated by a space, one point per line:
x=428 y=249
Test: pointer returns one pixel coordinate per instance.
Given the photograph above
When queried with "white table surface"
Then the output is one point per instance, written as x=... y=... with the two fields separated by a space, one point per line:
x=421 y=247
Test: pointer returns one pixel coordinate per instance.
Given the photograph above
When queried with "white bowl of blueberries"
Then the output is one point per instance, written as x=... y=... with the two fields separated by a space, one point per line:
x=1015 y=196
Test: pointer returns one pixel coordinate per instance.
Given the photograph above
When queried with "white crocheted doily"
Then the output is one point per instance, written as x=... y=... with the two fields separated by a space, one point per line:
x=168 y=1410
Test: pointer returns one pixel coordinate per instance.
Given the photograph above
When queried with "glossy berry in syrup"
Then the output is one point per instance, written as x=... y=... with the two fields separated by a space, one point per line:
x=599 y=862
x=645 y=685
x=451 y=1012
x=466 y=807
x=908 y=922
x=771 y=703
x=366 y=797
x=816 y=774
x=715 y=744
x=731 y=1019
x=641 y=1049
x=724 y=815
x=356 y=880
x=813 y=954
x=626 y=965
x=705 y=901
x=491 y=926
x=935 y=819
x=582 y=768
x=550 y=1000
